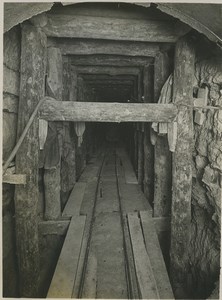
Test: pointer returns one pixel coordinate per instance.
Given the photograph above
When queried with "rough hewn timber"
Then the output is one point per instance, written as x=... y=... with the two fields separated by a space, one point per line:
x=162 y=155
x=32 y=86
x=148 y=148
x=65 y=272
x=103 y=60
x=182 y=164
x=87 y=47
x=14 y=178
x=68 y=162
x=52 y=178
x=67 y=26
x=57 y=227
x=108 y=70
x=140 y=157
x=52 y=110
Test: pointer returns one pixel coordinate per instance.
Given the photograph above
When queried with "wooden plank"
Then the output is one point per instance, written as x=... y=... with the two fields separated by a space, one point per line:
x=107 y=70
x=52 y=173
x=11 y=81
x=74 y=203
x=146 y=280
x=64 y=277
x=88 y=47
x=57 y=227
x=148 y=148
x=156 y=256
x=140 y=158
x=14 y=178
x=68 y=26
x=182 y=164
x=90 y=282
x=32 y=86
x=52 y=110
x=111 y=60
x=130 y=176
x=162 y=155
x=10 y=103
x=162 y=178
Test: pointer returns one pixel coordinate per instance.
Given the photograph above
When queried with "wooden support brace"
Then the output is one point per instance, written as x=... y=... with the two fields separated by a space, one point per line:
x=32 y=86
x=182 y=165
x=53 y=110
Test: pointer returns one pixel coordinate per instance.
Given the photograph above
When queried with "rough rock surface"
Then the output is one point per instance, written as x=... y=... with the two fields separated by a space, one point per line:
x=206 y=192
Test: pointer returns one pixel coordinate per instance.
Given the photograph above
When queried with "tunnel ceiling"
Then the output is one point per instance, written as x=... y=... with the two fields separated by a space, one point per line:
x=205 y=18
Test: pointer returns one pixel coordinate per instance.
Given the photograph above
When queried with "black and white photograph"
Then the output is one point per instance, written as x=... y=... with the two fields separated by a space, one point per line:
x=111 y=141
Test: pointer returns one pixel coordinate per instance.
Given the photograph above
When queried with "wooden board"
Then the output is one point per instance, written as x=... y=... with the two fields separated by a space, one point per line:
x=130 y=176
x=64 y=276
x=145 y=277
x=74 y=203
x=87 y=47
x=156 y=257
x=52 y=110
x=14 y=178
x=59 y=227
x=32 y=88
x=68 y=26
x=162 y=155
x=182 y=162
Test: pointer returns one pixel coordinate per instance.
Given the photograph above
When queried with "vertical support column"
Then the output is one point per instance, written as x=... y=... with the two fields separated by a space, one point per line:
x=32 y=88
x=53 y=145
x=68 y=162
x=148 y=148
x=182 y=164
x=162 y=155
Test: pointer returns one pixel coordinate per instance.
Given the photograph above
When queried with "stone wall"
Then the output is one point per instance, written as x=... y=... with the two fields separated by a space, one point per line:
x=11 y=81
x=207 y=182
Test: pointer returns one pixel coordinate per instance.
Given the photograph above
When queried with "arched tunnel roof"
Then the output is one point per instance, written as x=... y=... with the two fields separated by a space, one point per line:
x=205 y=18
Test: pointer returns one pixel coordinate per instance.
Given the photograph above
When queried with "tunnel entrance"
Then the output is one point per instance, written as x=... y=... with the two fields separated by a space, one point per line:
x=113 y=93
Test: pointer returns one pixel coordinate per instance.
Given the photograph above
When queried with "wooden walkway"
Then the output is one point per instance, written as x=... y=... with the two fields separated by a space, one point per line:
x=111 y=249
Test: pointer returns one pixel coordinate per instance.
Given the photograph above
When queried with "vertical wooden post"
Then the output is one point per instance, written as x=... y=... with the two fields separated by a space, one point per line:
x=162 y=155
x=182 y=164
x=148 y=148
x=140 y=156
x=32 y=87
x=52 y=178
x=68 y=163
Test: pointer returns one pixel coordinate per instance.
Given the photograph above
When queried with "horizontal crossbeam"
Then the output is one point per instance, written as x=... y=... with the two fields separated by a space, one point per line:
x=52 y=110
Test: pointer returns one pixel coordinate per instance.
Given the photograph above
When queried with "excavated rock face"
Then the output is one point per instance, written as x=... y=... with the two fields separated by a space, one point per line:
x=207 y=179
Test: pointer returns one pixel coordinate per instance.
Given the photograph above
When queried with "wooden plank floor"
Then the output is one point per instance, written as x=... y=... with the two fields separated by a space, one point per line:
x=111 y=238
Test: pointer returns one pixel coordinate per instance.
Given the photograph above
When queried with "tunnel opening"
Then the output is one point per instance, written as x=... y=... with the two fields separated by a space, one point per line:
x=104 y=170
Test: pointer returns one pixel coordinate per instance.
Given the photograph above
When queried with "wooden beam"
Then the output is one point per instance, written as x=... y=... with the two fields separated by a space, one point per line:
x=52 y=173
x=182 y=164
x=148 y=183
x=52 y=110
x=156 y=256
x=88 y=47
x=14 y=178
x=68 y=26
x=64 y=277
x=117 y=60
x=145 y=276
x=32 y=86
x=162 y=155
x=108 y=70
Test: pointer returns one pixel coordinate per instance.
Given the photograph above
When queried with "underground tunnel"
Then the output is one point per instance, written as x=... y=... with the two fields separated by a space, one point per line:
x=112 y=153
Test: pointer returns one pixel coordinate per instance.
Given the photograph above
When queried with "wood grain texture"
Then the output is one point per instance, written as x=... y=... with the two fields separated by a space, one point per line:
x=32 y=86
x=182 y=163
x=64 y=276
x=156 y=256
x=111 y=28
x=53 y=110
x=145 y=277
x=89 y=46
x=74 y=203
x=14 y=179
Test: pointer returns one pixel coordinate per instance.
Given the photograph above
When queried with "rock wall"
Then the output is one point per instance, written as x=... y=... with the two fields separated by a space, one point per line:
x=207 y=183
x=11 y=81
